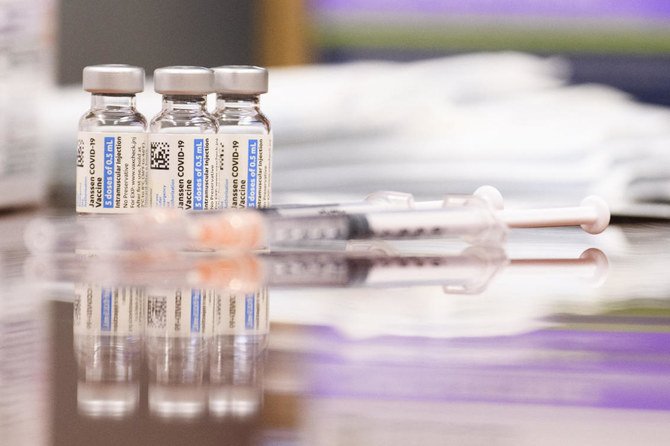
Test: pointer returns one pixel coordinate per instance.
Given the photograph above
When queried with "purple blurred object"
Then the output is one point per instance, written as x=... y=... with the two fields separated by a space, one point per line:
x=583 y=368
x=646 y=9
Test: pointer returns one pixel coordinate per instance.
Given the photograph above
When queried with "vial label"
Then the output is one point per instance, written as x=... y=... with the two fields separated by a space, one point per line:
x=100 y=310
x=183 y=171
x=180 y=312
x=245 y=170
x=241 y=314
x=111 y=172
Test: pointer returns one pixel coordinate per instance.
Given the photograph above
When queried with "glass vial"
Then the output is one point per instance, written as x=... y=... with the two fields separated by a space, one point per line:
x=244 y=141
x=182 y=167
x=112 y=144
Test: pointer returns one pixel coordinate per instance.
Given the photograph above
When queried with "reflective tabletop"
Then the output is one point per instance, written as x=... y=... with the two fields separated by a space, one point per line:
x=558 y=337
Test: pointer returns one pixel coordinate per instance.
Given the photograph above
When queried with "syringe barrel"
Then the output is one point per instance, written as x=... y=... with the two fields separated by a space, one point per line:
x=245 y=230
x=474 y=224
x=282 y=230
x=65 y=234
x=155 y=229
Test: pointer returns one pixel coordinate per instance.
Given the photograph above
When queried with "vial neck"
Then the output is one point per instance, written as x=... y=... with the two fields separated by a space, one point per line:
x=184 y=103
x=112 y=102
x=239 y=102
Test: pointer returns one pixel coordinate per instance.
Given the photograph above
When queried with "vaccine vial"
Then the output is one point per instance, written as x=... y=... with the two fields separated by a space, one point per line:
x=182 y=167
x=112 y=144
x=244 y=141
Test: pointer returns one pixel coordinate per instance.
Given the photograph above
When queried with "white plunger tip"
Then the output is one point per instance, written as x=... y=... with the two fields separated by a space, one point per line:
x=492 y=196
x=602 y=219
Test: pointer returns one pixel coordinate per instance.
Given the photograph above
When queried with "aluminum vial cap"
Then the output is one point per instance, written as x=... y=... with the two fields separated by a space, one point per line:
x=183 y=80
x=113 y=79
x=240 y=79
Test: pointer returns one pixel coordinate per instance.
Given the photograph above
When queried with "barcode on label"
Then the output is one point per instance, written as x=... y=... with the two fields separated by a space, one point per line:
x=156 y=311
x=160 y=156
x=80 y=153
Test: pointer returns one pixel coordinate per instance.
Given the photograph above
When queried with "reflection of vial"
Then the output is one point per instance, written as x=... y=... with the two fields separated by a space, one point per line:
x=176 y=330
x=237 y=353
x=112 y=143
x=107 y=326
x=245 y=140
x=183 y=148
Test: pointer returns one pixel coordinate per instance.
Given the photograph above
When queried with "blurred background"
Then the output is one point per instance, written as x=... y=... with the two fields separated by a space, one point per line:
x=548 y=100
x=624 y=43
x=539 y=97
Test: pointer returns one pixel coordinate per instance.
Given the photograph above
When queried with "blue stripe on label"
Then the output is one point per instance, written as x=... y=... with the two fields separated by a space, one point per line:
x=252 y=173
x=198 y=173
x=196 y=300
x=249 y=311
x=108 y=173
x=106 y=310
x=84 y=197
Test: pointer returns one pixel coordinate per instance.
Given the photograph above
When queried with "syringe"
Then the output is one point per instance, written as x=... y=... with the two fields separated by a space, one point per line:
x=476 y=220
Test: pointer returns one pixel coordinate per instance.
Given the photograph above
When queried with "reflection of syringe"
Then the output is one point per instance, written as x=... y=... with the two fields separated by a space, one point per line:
x=469 y=271
x=476 y=219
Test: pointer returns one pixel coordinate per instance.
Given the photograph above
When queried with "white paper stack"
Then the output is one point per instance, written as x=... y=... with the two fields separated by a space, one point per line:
x=26 y=50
